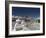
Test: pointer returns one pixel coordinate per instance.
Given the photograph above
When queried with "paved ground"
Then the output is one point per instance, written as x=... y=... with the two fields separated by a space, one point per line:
x=34 y=27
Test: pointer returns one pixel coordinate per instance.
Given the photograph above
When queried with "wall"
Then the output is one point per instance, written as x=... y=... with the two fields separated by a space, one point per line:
x=2 y=19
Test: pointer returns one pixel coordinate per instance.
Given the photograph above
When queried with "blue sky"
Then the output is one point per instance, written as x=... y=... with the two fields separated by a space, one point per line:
x=23 y=11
